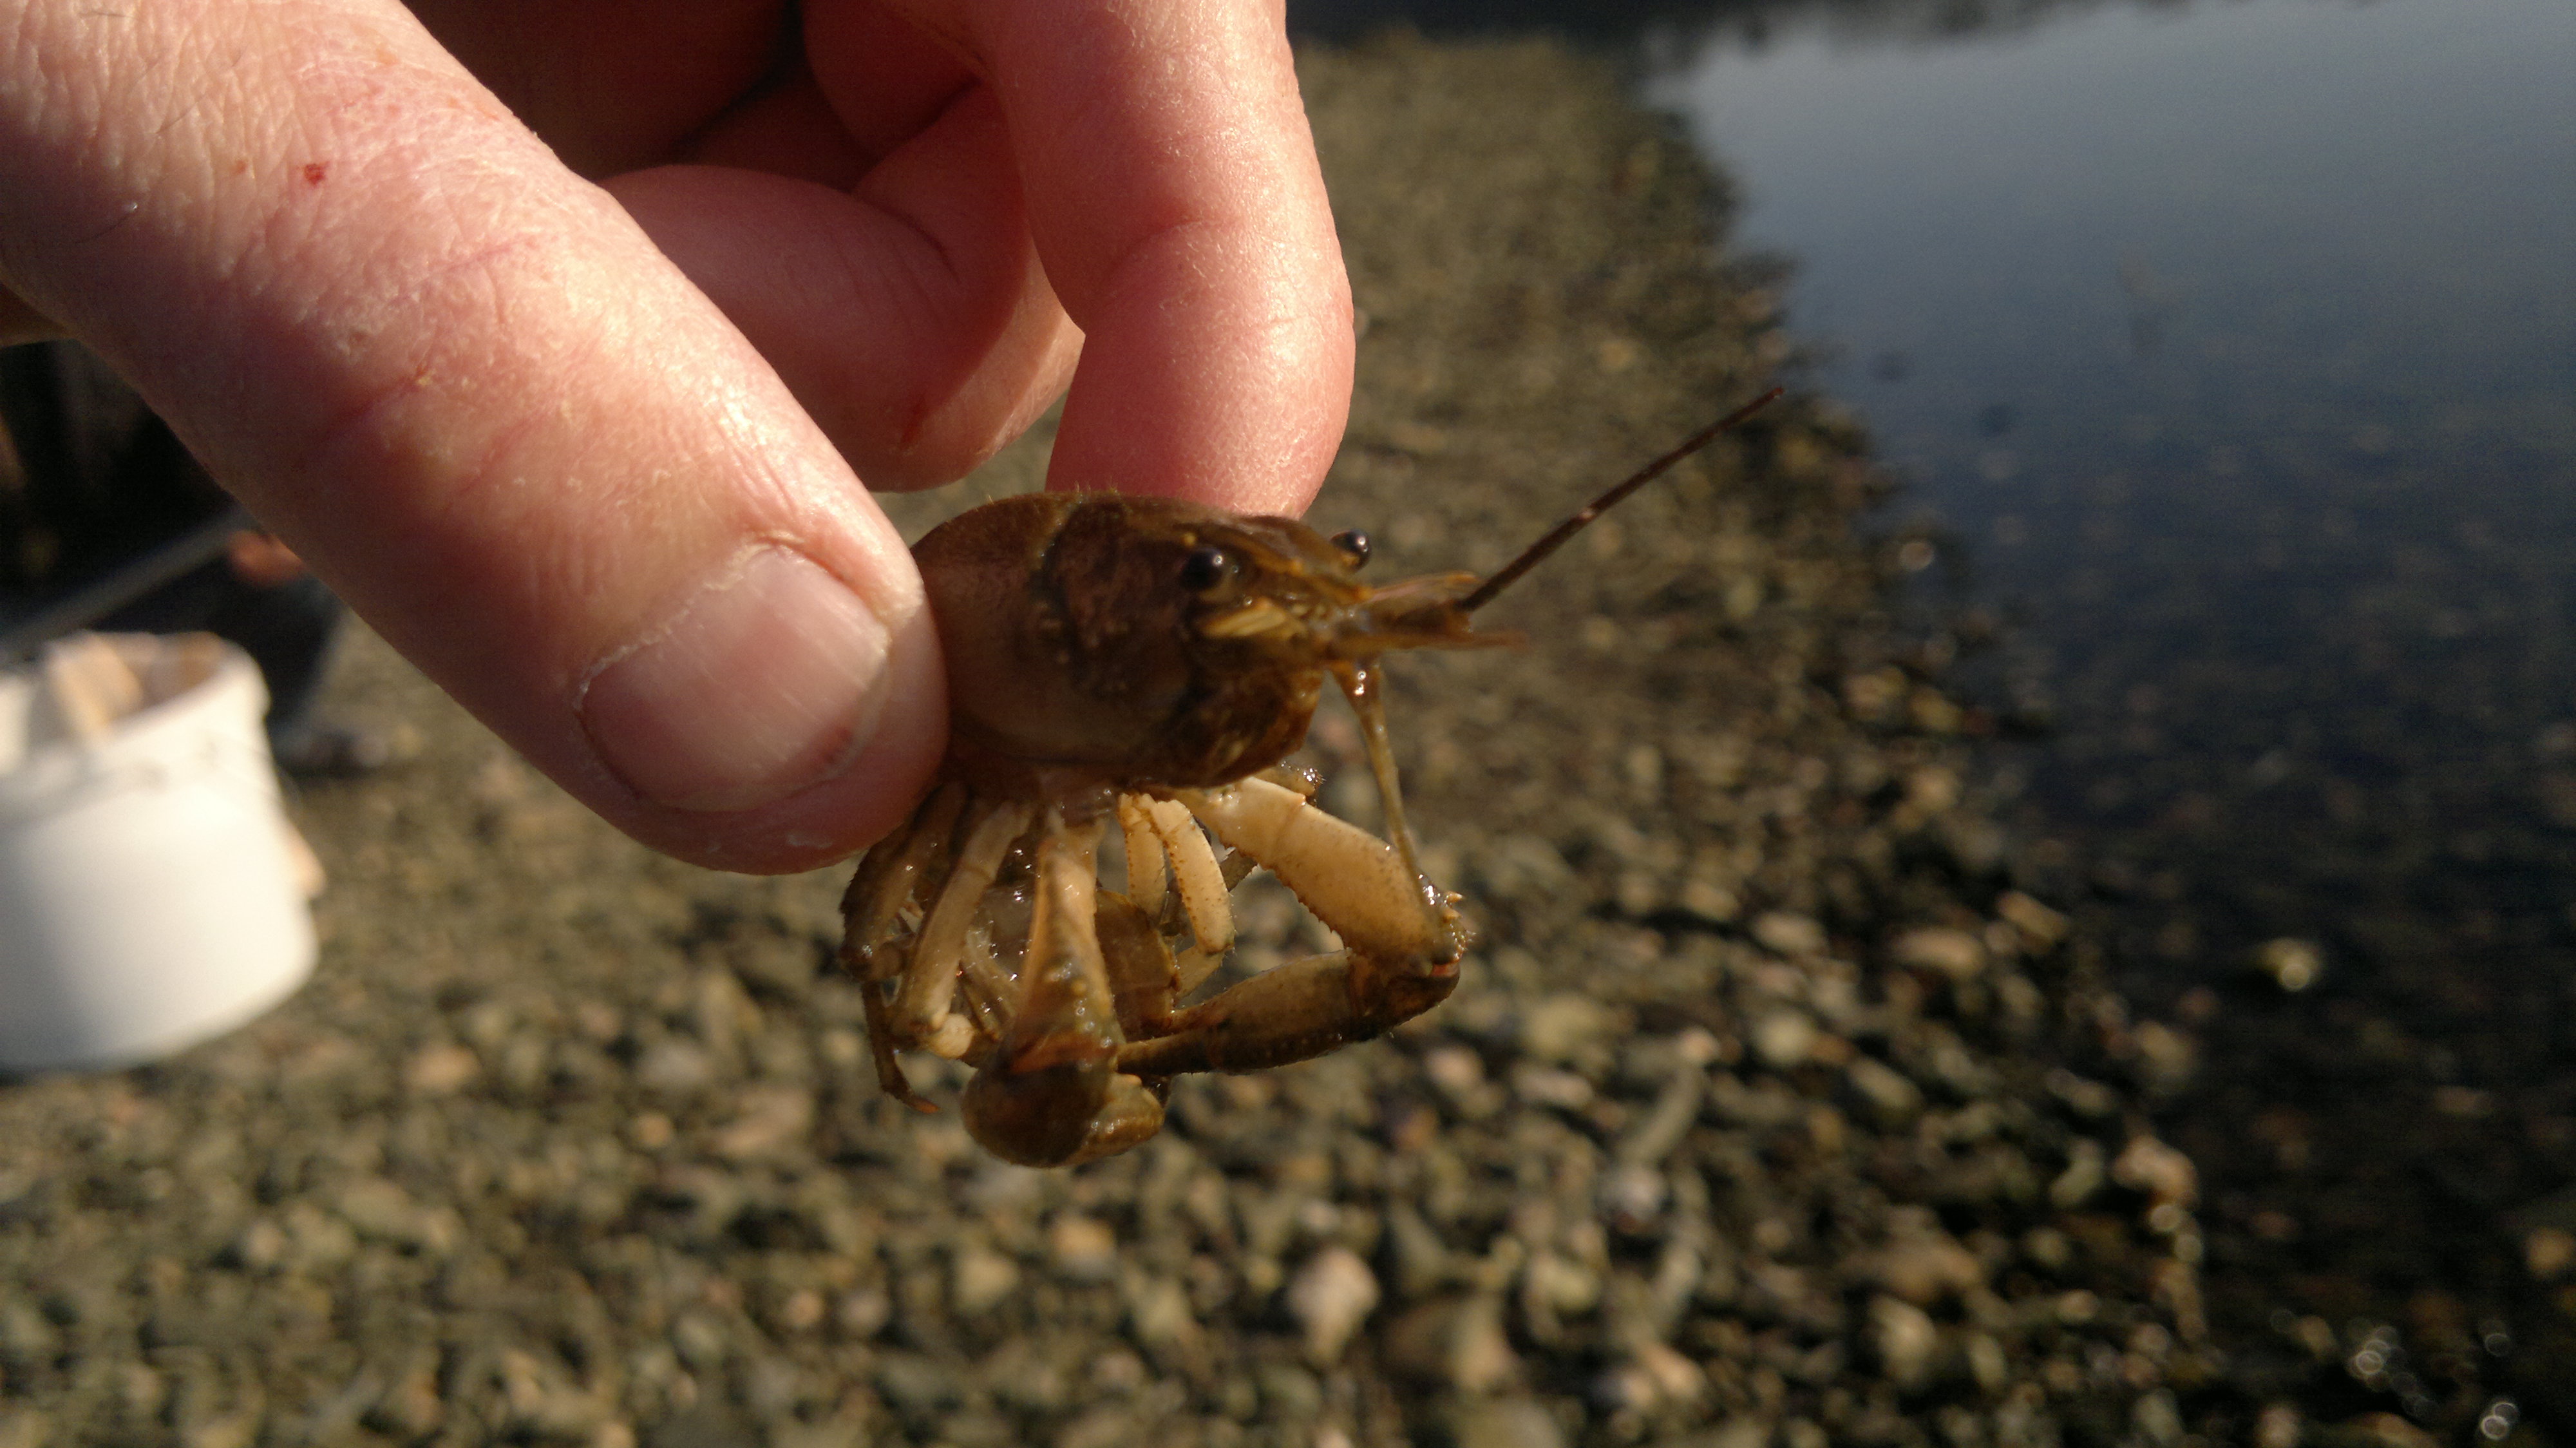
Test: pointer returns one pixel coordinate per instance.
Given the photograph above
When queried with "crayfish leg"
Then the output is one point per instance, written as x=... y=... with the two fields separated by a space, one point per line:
x=1147 y=877
x=1050 y=1092
x=1296 y=1012
x=1196 y=876
x=1403 y=943
x=1144 y=978
x=1306 y=783
x=924 y=999
x=891 y=875
x=1363 y=685
x=890 y=1077
x=1357 y=884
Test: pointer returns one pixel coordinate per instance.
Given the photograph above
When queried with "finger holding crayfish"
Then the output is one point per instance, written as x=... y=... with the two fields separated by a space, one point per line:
x=1149 y=663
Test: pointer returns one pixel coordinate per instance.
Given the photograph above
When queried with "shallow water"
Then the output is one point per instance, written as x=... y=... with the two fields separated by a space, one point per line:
x=2228 y=354
x=2231 y=348
x=2230 y=351
x=2138 y=236
x=2235 y=349
x=2209 y=333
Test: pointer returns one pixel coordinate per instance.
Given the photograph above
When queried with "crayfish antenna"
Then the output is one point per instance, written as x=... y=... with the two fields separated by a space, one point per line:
x=1535 y=554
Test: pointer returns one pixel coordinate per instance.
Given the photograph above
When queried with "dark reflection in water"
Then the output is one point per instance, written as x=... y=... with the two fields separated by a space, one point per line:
x=2233 y=347
x=2236 y=347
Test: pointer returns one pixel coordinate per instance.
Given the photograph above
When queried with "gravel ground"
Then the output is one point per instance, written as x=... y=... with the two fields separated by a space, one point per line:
x=1770 y=1111
x=2348 y=745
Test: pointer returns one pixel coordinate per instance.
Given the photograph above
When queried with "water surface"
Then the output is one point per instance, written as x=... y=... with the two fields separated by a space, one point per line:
x=2229 y=351
x=2235 y=346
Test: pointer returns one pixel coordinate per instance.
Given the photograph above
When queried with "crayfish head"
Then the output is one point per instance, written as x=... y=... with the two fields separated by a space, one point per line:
x=1292 y=596
x=1077 y=634
x=1150 y=641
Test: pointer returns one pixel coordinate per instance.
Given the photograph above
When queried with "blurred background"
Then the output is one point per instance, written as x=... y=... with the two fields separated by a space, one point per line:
x=2226 y=356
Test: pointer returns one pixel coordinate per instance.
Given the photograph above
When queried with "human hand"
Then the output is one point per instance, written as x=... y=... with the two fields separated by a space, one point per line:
x=578 y=452
x=258 y=559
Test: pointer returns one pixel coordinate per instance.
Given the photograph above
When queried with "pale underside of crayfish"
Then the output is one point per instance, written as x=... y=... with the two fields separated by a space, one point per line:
x=1148 y=664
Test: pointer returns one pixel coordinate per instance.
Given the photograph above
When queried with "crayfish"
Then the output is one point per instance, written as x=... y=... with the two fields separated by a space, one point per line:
x=1150 y=662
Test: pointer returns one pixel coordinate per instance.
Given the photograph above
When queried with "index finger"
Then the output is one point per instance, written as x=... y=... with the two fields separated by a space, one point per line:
x=1173 y=194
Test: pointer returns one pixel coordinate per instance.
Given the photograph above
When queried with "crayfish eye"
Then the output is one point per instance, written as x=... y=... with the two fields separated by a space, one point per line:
x=1354 y=546
x=1206 y=569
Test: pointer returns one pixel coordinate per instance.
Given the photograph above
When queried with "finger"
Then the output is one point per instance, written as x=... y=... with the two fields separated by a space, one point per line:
x=788 y=129
x=613 y=84
x=467 y=389
x=616 y=85
x=1172 y=189
x=911 y=317
x=887 y=77
x=21 y=323
x=260 y=560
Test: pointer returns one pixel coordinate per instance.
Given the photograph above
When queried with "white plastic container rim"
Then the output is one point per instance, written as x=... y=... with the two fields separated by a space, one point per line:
x=148 y=896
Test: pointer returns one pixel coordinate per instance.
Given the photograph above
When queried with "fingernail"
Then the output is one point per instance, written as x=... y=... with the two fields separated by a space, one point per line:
x=765 y=682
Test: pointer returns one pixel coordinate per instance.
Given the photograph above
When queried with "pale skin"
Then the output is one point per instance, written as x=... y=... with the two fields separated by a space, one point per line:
x=565 y=339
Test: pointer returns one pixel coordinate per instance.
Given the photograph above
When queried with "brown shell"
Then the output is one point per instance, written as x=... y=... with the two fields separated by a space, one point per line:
x=1072 y=644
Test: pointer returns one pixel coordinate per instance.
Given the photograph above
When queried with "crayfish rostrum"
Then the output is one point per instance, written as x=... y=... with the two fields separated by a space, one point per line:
x=1151 y=662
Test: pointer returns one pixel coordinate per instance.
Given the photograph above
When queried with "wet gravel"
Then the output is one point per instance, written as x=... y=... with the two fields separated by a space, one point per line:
x=1777 y=1107
x=2333 y=834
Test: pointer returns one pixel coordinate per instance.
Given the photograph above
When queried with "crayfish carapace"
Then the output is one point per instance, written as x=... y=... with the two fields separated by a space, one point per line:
x=1151 y=662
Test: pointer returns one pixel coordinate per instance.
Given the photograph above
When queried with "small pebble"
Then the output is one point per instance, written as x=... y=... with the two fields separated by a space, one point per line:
x=1925 y=1266
x=2548 y=1252
x=2385 y=1430
x=1509 y=1423
x=1565 y=1026
x=1889 y=1093
x=1454 y=1069
x=1785 y=934
x=1559 y=1286
x=675 y=1068
x=863 y=1312
x=2041 y=928
x=1632 y=1197
x=800 y=1311
x=440 y=1069
x=2290 y=963
x=1905 y=1340
x=2083 y=1176
x=981 y=1279
x=1158 y=1312
x=1331 y=1295
x=1784 y=1037
x=1952 y=953
x=1082 y=1248
x=2164 y=1174
x=771 y=1119
x=2166 y=1058
x=1540 y=1086
x=1481 y=1359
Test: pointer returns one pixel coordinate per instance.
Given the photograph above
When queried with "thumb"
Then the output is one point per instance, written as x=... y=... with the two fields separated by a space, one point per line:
x=468 y=390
